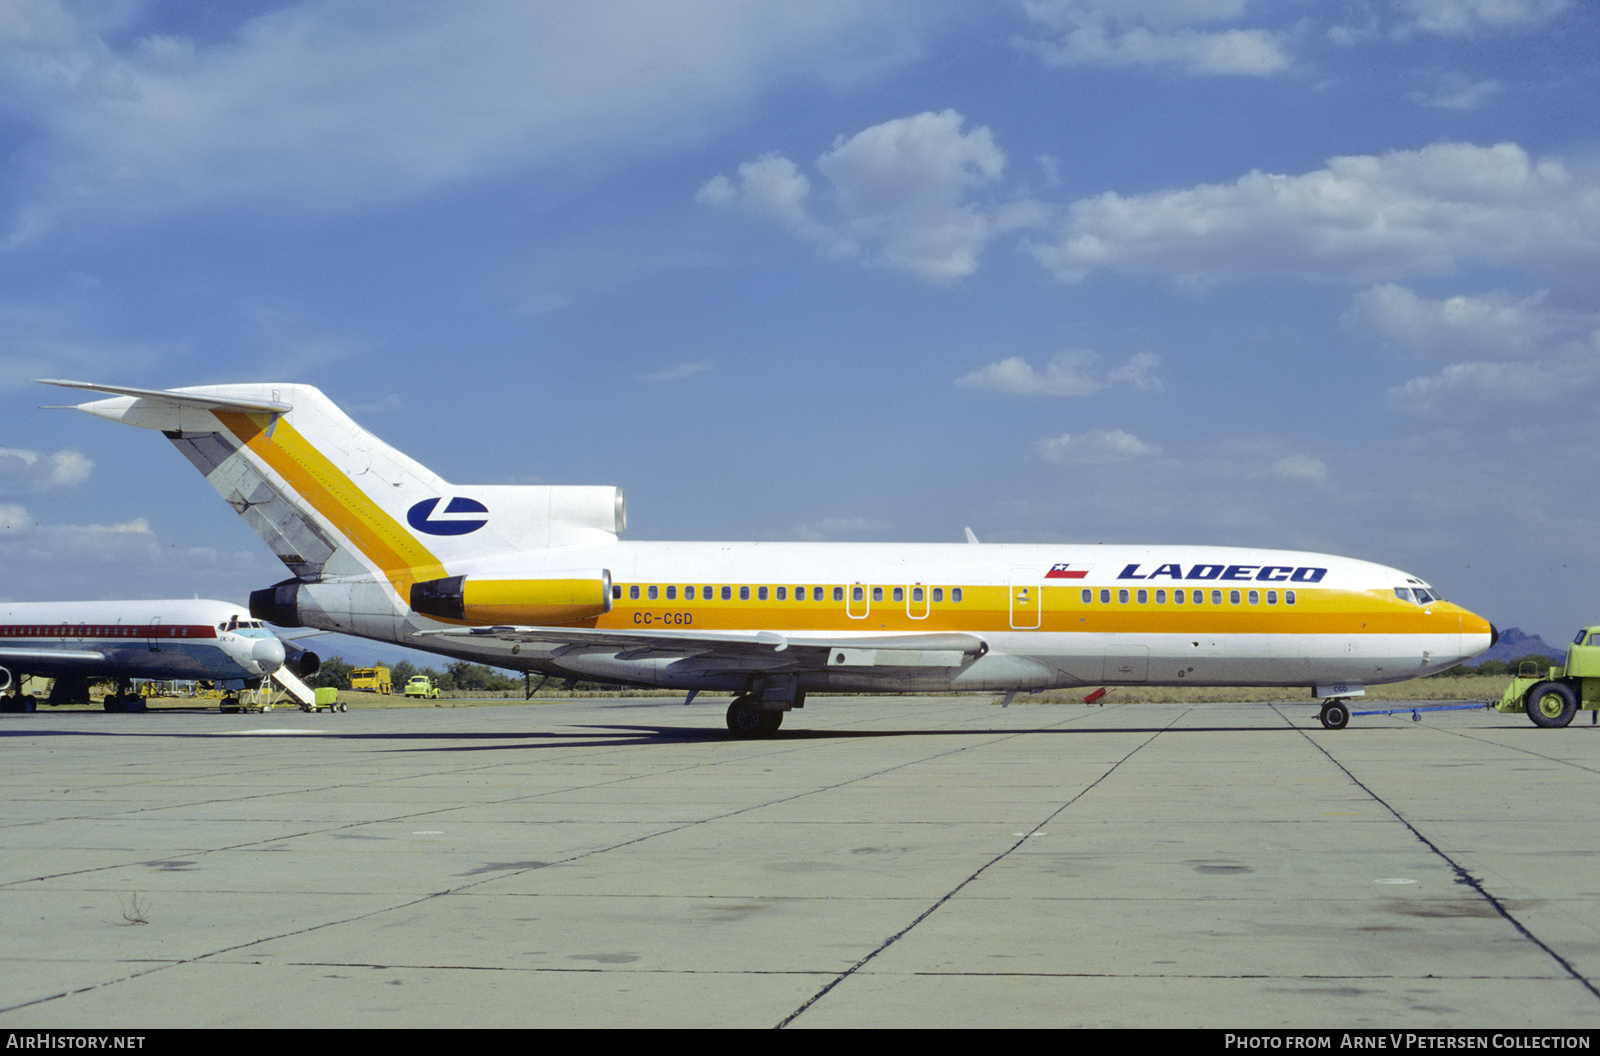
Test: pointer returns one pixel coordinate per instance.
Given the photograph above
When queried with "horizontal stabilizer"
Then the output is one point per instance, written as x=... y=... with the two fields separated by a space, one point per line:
x=200 y=401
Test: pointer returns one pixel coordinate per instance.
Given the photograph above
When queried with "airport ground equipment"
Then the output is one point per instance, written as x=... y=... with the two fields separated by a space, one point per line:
x=372 y=680
x=283 y=688
x=1552 y=699
x=422 y=686
x=1416 y=710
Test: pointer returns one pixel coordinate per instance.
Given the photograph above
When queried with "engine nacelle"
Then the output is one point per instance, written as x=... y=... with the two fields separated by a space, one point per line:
x=278 y=604
x=556 y=599
x=302 y=662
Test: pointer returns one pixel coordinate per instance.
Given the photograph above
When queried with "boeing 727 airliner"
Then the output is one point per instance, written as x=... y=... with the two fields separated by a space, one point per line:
x=535 y=578
x=79 y=642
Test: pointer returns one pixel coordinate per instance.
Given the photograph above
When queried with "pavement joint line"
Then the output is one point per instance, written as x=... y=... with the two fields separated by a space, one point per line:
x=427 y=897
x=1525 y=751
x=1462 y=875
x=948 y=895
x=1379 y=753
x=396 y=819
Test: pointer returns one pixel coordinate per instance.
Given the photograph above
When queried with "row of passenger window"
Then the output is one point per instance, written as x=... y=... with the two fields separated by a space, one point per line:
x=79 y=630
x=1179 y=597
x=857 y=593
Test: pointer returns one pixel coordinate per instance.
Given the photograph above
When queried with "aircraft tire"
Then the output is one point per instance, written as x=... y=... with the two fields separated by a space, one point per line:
x=746 y=719
x=1335 y=715
x=1551 y=705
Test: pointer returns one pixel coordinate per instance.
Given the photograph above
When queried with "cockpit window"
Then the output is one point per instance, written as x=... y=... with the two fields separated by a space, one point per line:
x=1403 y=593
x=1594 y=639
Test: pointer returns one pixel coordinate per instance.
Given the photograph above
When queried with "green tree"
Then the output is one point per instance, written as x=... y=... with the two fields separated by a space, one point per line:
x=477 y=678
x=1538 y=662
x=333 y=674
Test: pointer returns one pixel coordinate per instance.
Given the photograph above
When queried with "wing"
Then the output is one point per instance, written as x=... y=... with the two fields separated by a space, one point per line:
x=49 y=662
x=755 y=651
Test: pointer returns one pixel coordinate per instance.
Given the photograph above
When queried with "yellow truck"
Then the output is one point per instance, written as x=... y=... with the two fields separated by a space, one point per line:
x=372 y=679
x=1552 y=699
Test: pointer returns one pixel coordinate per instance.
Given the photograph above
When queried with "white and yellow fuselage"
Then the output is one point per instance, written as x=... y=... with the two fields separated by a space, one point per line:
x=1128 y=614
x=536 y=578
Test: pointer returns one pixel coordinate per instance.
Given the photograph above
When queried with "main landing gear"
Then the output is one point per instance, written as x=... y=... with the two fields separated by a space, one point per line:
x=746 y=718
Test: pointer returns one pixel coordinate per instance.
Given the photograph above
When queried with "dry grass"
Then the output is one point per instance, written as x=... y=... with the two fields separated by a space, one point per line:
x=134 y=913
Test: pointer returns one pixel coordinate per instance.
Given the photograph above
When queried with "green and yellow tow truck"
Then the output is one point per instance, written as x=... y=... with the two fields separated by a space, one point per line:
x=1552 y=699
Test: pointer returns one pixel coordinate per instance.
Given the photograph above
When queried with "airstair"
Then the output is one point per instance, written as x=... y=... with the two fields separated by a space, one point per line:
x=290 y=683
x=283 y=689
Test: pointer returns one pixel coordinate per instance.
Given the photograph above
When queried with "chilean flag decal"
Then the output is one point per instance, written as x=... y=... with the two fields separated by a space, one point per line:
x=1066 y=571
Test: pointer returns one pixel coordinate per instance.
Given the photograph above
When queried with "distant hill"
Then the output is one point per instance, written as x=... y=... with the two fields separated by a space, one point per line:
x=1514 y=645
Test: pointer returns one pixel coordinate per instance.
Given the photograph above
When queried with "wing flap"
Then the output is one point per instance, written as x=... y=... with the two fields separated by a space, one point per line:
x=745 y=650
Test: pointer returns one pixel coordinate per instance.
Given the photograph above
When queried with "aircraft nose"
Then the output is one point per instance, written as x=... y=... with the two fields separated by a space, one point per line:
x=268 y=653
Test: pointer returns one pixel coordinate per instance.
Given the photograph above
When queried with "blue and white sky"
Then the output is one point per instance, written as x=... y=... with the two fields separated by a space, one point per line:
x=1296 y=273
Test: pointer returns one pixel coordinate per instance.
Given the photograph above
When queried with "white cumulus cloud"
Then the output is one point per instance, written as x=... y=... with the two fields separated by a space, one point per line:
x=1506 y=350
x=1071 y=372
x=341 y=103
x=33 y=471
x=1096 y=447
x=1549 y=374
x=1363 y=218
x=904 y=194
x=1496 y=322
x=1459 y=18
x=1156 y=33
x=1300 y=467
x=1456 y=92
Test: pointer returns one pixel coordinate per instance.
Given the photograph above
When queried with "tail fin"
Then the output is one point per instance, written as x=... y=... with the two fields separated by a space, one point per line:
x=334 y=501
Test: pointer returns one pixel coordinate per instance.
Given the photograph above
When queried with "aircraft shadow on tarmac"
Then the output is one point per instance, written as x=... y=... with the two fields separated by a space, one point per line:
x=617 y=735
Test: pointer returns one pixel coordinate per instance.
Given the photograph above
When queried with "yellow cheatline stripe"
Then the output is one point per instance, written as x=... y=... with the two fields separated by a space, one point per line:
x=382 y=540
x=985 y=609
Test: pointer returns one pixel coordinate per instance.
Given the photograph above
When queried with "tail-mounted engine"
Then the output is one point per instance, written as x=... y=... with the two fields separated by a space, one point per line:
x=563 y=598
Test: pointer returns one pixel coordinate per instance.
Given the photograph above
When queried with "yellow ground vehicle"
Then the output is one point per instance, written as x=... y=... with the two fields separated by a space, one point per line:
x=372 y=679
x=1551 y=700
x=422 y=686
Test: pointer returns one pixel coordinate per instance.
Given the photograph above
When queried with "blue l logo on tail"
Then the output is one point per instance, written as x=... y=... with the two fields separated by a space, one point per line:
x=420 y=517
